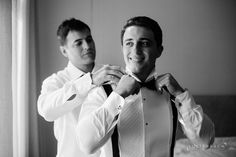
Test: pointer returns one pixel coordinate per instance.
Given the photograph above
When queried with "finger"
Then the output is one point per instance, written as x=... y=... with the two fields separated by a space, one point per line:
x=115 y=80
x=168 y=80
x=163 y=79
x=107 y=82
x=112 y=70
x=123 y=70
x=115 y=73
x=163 y=84
x=112 y=79
x=164 y=76
x=117 y=68
x=159 y=77
x=109 y=70
x=107 y=79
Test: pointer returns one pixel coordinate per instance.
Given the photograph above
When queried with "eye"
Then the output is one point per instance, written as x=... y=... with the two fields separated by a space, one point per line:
x=146 y=43
x=129 y=44
x=89 y=39
x=78 y=43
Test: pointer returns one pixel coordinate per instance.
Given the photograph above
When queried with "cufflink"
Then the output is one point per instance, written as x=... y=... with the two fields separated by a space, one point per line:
x=119 y=107
x=72 y=97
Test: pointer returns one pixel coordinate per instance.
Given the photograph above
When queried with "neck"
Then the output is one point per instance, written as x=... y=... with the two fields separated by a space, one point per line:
x=144 y=75
x=141 y=77
x=86 y=68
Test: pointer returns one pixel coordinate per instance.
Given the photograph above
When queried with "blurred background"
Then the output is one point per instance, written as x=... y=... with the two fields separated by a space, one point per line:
x=199 y=39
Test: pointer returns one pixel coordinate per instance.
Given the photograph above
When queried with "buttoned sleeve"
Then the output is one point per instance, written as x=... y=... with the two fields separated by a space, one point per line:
x=98 y=116
x=60 y=96
x=196 y=125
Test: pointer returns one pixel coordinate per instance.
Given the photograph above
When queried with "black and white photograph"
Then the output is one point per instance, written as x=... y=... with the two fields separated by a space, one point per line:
x=117 y=78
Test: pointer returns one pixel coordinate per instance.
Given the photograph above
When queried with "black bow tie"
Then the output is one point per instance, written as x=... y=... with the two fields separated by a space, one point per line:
x=149 y=84
x=152 y=86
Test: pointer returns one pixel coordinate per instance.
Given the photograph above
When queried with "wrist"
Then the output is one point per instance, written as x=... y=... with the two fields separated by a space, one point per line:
x=179 y=91
x=121 y=93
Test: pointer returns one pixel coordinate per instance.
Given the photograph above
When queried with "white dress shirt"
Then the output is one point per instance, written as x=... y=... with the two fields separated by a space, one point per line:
x=144 y=122
x=60 y=101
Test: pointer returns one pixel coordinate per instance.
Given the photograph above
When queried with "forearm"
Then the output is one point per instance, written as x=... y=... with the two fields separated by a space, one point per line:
x=97 y=122
x=51 y=105
x=196 y=125
x=56 y=100
x=93 y=134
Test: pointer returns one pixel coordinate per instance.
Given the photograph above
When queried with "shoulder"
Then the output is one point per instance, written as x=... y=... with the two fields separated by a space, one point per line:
x=60 y=77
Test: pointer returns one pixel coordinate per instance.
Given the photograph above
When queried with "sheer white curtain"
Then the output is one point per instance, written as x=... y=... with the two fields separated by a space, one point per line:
x=5 y=80
x=25 y=136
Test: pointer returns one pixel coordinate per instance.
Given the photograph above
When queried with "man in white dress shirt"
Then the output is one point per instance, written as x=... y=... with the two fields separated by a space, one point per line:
x=62 y=93
x=144 y=107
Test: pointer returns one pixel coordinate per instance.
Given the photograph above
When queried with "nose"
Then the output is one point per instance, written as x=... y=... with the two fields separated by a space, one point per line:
x=136 y=49
x=86 y=45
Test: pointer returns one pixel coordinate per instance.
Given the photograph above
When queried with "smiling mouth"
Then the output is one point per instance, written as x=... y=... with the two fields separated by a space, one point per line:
x=88 y=53
x=136 y=59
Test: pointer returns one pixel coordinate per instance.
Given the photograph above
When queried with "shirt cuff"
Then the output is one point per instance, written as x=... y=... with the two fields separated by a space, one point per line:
x=191 y=114
x=114 y=103
x=78 y=89
x=186 y=100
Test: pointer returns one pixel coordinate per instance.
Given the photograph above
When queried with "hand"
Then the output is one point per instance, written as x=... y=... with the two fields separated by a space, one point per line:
x=170 y=83
x=108 y=74
x=127 y=86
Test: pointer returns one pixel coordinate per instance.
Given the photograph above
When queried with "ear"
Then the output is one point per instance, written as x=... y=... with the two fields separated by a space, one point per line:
x=159 y=49
x=63 y=51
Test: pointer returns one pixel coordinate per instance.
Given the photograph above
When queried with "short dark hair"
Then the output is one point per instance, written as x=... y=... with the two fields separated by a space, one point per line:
x=70 y=25
x=146 y=22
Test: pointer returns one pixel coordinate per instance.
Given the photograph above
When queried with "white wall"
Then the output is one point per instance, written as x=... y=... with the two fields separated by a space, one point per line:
x=199 y=37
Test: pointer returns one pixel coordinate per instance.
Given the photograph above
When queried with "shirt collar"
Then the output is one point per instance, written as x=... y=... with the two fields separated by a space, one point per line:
x=74 y=71
x=150 y=76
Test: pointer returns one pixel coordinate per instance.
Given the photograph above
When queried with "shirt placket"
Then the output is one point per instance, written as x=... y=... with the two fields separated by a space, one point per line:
x=146 y=128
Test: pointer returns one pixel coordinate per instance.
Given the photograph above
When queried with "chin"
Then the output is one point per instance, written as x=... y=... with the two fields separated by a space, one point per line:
x=91 y=62
x=91 y=59
x=135 y=70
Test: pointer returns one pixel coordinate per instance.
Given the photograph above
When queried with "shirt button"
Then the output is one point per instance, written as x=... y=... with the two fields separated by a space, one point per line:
x=144 y=99
x=146 y=123
x=119 y=107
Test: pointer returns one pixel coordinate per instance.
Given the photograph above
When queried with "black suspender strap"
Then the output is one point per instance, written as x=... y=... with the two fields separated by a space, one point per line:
x=175 y=121
x=175 y=118
x=115 y=135
x=108 y=89
x=114 y=140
